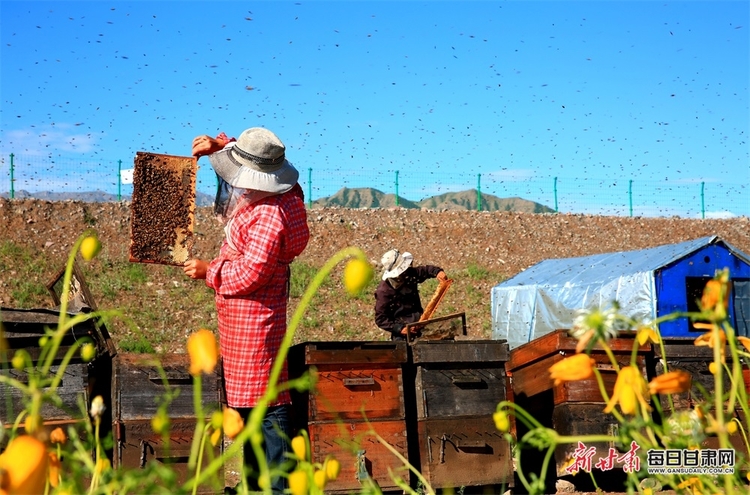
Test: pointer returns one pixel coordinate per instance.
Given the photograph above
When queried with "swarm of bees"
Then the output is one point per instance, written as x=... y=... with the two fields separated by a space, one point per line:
x=162 y=209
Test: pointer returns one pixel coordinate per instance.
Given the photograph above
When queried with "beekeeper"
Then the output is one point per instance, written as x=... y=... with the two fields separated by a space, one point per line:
x=397 y=300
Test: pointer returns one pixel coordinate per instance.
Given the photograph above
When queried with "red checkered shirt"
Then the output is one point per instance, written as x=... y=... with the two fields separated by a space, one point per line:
x=251 y=284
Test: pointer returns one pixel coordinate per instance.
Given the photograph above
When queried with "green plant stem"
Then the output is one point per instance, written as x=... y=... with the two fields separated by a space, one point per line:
x=199 y=422
x=200 y=460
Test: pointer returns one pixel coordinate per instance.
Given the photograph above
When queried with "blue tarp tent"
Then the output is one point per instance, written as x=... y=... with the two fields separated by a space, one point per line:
x=647 y=283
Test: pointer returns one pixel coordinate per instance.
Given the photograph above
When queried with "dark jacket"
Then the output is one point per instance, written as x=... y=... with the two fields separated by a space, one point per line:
x=394 y=308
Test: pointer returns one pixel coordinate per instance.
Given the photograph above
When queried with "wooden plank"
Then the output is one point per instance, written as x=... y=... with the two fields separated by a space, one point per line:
x=558 y=341
x=73 y=387
x=375 y=391
x=449 y=391
x=460 y=351
x=347 y=353
x=464 y=451
x=163 y=208
x=578 y=420
x=360 y=453
x=136 y=444
x=137 y=384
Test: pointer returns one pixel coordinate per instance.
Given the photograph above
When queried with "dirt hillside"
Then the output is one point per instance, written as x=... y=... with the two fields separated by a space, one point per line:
x=500 y=243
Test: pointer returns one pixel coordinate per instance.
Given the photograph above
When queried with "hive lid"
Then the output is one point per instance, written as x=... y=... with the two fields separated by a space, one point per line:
x=163 y=208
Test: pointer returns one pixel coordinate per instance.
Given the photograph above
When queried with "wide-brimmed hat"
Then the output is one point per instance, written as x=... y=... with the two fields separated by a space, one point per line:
x=255 y=161
x=395 y=263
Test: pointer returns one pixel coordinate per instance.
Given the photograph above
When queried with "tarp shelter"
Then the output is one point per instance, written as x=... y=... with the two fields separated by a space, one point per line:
x=647 y=284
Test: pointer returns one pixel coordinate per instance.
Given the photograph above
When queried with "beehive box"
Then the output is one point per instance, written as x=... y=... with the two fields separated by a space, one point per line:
x=136 y=444
x=137 y=383
x=359 y=386
x=571 y=408
x=79 y=381
x=682 y=354
x=162 y=209
x=137 y=386
x=457 y=385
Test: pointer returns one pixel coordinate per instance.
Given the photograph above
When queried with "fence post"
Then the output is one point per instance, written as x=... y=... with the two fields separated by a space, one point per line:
x=12 y=190
x=630 y=196
x=554 y=189
x=479 y=192
x=119 y=180
x=396 y=187
x=309 y=188
x=703 y=202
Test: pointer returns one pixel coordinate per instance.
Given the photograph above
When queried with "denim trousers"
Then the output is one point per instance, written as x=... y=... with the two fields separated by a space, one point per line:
x=277 y=432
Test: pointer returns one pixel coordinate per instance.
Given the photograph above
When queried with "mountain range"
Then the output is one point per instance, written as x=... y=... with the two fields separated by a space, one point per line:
x=364 y=197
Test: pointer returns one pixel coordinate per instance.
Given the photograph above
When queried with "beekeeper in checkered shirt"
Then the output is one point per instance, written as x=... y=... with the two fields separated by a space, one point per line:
x=263 y=209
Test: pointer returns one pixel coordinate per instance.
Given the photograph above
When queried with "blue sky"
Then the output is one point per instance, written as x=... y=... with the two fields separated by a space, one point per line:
x=440 y=91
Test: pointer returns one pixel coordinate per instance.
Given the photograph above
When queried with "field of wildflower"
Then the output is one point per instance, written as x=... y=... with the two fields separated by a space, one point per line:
x=40 y=460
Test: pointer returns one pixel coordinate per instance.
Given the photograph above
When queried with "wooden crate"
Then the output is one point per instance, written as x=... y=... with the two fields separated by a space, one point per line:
x=359 y=386
x=457 y=386
x=74 y=387
x=459 y=378
x=466 y=451
x=682 y=354
x=570 y=408
x=353 y=378
x=137 y=384
x=360 y=453
x=136 y=444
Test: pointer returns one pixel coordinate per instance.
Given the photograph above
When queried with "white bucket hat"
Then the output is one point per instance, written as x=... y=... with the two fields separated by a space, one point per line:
x=255 y=161
x=395 y=263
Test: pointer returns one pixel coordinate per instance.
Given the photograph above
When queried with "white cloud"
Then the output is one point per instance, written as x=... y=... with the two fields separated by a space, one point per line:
x=46 y=140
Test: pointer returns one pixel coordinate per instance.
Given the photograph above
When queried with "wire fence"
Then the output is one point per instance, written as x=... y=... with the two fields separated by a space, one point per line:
x=107 y=180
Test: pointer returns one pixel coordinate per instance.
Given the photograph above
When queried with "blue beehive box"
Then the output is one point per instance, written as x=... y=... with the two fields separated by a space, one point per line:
x=647 y=283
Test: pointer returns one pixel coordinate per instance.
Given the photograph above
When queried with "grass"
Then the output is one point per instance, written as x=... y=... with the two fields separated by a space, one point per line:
x=163 y=306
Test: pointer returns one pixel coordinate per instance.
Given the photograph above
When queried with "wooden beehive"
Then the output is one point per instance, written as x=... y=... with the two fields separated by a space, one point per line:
x=571 y=408
x=162 y=209
x=457 y=386
x=359 y=387
x=682 y=354
x=137 y=385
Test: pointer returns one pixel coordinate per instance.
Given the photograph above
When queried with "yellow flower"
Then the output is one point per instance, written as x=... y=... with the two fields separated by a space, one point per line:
x=732 y=427
x=695 y=484
x=215 y=437
x=88 y=352
x=54 y=469
x=102 y=464
x=24 y=464
x=232 y=422
x=647 y=334
x=319 y=478
x=708 y=339
x=576 y=367
x=673 y=382
x=713 y=368
x=57 y=436
x=745 y=343
x=33 y=423
x=357 y=274
x=90 y=247
x=299 y=447
x=160 y=422
x=502 y=423
x=332 y=468
x=630 y=390
x=715 y=297
x=203 y=351
x=298 y=483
